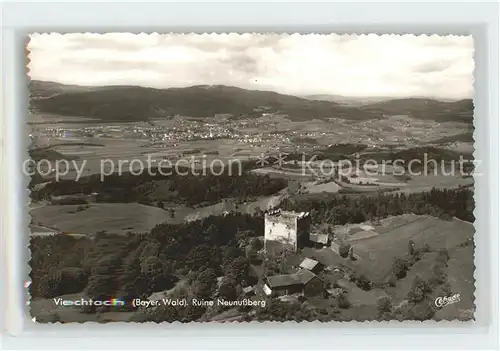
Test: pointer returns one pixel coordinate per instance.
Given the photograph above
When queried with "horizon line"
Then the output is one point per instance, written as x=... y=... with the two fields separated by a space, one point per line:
x=303 y=96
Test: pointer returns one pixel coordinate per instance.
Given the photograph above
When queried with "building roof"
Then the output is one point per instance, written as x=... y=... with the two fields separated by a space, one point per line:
x=319 y=238
x=300 y=278
x=248 y=289
x=287 y=214
x=309 y=264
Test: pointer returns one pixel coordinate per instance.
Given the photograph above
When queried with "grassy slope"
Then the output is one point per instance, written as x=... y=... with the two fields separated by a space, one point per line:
x=427 y=109
x=113 y=218
x=377 y=253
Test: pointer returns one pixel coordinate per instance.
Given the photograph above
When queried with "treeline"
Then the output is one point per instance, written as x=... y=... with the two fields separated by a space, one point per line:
x=418 y=153
x=356 y=209
x=189 y=189
x=352 y=152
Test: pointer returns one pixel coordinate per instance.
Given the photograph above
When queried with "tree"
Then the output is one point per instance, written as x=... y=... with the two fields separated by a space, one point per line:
x=44 y=288
x=238 y=269
x=330 y=229
x=148 y=248
x=253 y=256
x=399 y=268
x=243 y=237
x=205 y=284
x=362 y=282
x=421 y=311
x=102 y=282
x=344 y=250
x=202 y=256
x=227 y=289
x=419 y=290
x=384 y=307
x=343 y=302
x=256 y=244
x=151 y=266
x=229 y=253
x=72 y=280
x=276 y=260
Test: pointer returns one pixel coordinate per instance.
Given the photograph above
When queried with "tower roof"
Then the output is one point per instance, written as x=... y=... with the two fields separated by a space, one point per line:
x=287 y=214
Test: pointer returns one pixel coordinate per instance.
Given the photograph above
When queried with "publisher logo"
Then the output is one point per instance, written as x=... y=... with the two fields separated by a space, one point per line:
x=443 y=301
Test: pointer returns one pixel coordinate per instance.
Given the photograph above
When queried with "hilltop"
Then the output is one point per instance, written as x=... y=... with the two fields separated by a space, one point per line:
x=426 y=109
x=416 y=107
x=347 y=100
x=134 y=103
x=131 y=103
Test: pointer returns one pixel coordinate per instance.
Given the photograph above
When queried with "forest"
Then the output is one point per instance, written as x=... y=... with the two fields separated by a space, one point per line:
x=151 y=188
x=443 y=203
x=138 y=264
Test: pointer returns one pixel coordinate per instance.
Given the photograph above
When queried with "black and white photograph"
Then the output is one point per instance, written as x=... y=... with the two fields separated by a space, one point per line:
x=250 y=177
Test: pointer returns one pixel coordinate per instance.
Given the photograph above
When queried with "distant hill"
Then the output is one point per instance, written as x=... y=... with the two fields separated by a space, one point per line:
x=462 y=137
x=42 y=90
x=133 y=103
x=347 y=100
x=426 y=109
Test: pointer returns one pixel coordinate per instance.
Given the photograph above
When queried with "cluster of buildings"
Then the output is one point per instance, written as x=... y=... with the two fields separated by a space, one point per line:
x=292 y=230
x=304 y=281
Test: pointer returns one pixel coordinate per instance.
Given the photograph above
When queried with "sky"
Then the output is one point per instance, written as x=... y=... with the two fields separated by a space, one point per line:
x=348 y=65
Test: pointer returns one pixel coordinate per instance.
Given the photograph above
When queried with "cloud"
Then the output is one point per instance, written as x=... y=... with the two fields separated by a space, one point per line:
x=351 y=65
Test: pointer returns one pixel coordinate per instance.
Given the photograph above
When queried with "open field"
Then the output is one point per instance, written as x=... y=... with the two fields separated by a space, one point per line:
x=113 y=218
x=99 y=153
x=359 y=297
x=376 y=245
x=460 y=273
x=230 y=205
x=133 y=217
x=427 y=182
x=286 y=174
x=378 y=251
x=253 y=137
x=313 y=187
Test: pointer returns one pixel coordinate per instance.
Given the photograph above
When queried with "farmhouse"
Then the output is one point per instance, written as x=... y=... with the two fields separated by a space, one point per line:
x=311 y=265
x=249 y=290
x=286 y=228
x=303 y=282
